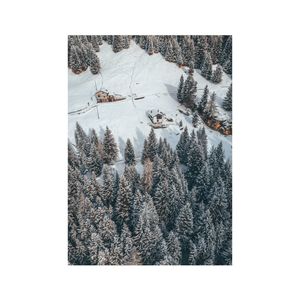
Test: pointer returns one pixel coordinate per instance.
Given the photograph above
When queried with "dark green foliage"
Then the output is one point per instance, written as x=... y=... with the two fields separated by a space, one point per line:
x=129 y=153
x=110 y=149
x=227 y=104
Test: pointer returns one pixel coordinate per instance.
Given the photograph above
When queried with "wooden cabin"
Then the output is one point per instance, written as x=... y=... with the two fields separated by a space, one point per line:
x=103 y=96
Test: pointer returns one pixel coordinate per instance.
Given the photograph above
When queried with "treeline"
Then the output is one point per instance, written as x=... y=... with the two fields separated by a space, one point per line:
x=178 y=211
x=194 y=51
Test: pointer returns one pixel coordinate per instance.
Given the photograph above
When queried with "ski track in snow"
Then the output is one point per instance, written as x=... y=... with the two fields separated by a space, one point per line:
x=129 y=72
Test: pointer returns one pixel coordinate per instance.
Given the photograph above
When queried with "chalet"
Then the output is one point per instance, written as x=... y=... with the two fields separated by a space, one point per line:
x=104 y=96
x=157 y=118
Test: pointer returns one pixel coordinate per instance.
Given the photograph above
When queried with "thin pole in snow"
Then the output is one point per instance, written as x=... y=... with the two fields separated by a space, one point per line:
x=97 y=111
x=96 y=85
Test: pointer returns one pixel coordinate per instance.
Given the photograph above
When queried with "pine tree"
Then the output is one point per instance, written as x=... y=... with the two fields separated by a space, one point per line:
x=129 y=153
x=126 y=42
x=182 y=146
x=189 y=92
x=217 y=75
x=206 y=70
x=210 y=111
x=174 y=248
x=118 y=43
x=200 y=51
x=95 y=43
x=150 y=46
x=152 y=145
x=123 y=202
x=96 y=163
x=110 y=149
x=147 y=176
x=75 y=62
x=145 y=153
x=227 y=104
x=180 y=89
x=94 y=64
x=107 y=192
x=196 y=119
x=203 y=101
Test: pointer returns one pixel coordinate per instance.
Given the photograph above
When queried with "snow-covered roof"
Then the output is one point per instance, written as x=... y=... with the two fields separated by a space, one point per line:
x=154 y=112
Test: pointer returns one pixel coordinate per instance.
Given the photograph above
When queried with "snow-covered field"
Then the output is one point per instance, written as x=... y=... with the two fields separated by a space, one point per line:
x=133 y=71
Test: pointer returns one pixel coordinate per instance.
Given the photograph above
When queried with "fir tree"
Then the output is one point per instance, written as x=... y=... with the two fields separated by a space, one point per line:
x=180 y=89
x=123 y=202
x=118 y=43
x=203 y=101
x=217 y=75
x=206 y=70
x=110 y=149
x=152 y=145
x=94 y=64
x=95 y=43
x=189 y=92
x=129 y=153
x=227 y=104
x=196 y=119
x=182 y=146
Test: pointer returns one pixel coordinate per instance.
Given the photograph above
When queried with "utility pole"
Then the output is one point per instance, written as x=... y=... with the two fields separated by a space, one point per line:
x=96 y=85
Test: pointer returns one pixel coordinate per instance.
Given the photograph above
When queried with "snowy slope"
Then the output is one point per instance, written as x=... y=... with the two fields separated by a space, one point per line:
x=134 y=71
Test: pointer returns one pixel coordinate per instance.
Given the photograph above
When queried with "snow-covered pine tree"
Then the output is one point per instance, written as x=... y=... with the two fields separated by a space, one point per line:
x=217 y=75
x=180 y=89
x=110 y=148
x=145 y=154
x=96 y=163
x=123 y=202
x=182 y=146
x=174 y=248
x=150 y=47
x=99 y=39
x=203 y=100
x=126 y=41
x=169 y=56
x=227 y=104
x=152 y=145
x=95 y=43
x=118 y=43
x=210 y=110
x=147 y=176
x=95 y=63
x=107 y=190
x=196 y=119
x=189 y=92
x=206 y=70
x=109 y=39
x=200 y=50
x=129 y=153
x=75 y=62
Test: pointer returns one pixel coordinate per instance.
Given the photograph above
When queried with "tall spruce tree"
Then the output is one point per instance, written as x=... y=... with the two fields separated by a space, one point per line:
x=203 y=100
x=217 y=75
x=129 y=153
x=180 y=89
x=110 y=148
x=206 y=70
x=227 y=104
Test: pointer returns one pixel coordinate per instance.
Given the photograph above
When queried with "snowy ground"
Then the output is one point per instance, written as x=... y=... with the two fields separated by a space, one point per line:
x=133 y=71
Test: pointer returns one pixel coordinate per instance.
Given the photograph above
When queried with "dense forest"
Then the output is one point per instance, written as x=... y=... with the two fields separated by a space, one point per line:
x=176 y=211
x=194 y=51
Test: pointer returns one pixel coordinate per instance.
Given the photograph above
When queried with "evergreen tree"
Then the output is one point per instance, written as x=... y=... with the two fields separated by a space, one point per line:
x=196 y=119
x=110 y=149
x=107 y=191
x=189 y=92
x=118 y=43
x=180 y=89
x=206 y=70
x=96 y=163
x=227 y=104
x=182 y=146
x=203 y=101
x=152 y=145
x=145 y=153
x=123 y=202
x=174 y=248
x=94 y=64
x=150 y=46
x=217 y=75
x=210 y=110
x=95 y=43
x=129 y=153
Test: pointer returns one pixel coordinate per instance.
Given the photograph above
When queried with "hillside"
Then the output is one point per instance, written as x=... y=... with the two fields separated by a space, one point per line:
x=133 y=71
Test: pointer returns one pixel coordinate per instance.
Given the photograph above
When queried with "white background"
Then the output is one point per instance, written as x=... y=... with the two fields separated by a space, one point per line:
x=33 y=213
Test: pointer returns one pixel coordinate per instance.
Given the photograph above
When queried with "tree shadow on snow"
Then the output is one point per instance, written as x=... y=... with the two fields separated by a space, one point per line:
x=172 y=90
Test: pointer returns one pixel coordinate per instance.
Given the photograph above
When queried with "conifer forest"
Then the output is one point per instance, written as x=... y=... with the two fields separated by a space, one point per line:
x=149 y=150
